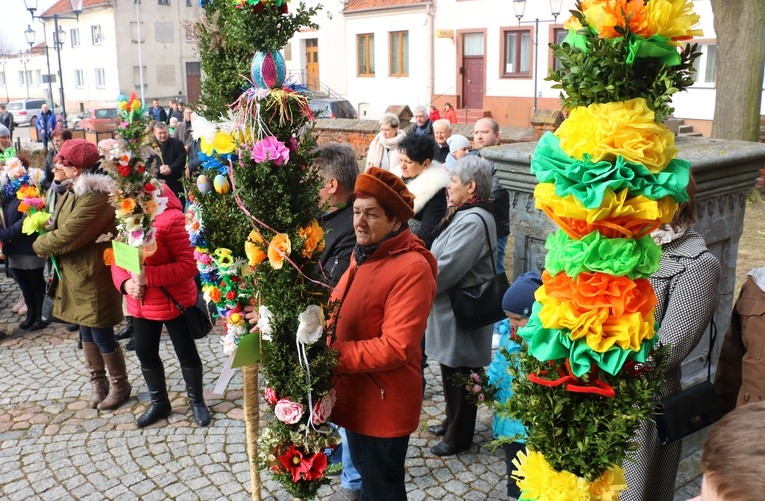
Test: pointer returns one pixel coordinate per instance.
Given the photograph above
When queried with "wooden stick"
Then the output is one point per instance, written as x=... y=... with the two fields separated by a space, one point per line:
x=251 y=396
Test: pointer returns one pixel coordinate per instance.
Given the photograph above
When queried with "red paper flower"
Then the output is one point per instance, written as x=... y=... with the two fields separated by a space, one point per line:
x=231 y=295
x=123 y=170
x=293 y=462
x=317 y=464
x=270 y=395
x=148 y=187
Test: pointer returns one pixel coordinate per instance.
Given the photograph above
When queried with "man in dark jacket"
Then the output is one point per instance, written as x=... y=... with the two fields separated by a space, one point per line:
x=172 y=155
x=442 y=130
x=6 y=118
x=486 y=133
x=423 y=126
x=157 y=112
x=338 y=166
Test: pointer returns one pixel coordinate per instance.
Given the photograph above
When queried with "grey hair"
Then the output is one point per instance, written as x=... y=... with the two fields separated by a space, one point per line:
x=390 y=119
x=160 y=125
x=338 y=161
x=421 y=109
x=442 y=121
x=474 y=168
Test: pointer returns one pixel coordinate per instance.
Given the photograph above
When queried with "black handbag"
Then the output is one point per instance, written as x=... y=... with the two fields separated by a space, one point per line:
x=691 y=410
x=197 y=316
x=46 y=310
x=480 y=305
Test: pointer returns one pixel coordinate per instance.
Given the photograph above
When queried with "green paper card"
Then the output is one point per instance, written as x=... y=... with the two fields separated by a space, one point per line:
x=126 y=257
x=248 y=351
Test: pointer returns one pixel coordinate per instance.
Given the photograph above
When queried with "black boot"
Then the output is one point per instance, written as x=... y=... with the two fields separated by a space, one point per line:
x=194 y=387
x=38 y=324
x=159 y=408
x=30 y=318
x=126 y=331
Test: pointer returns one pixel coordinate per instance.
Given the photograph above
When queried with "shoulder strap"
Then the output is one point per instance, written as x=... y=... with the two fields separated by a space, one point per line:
x=172 y=299
x=712 y=339
x=488 y=239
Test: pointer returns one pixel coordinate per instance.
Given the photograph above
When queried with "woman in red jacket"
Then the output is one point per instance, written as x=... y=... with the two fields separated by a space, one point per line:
x=171 y=267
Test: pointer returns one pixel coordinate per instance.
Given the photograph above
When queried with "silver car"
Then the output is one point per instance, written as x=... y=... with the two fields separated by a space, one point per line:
x=25 y=111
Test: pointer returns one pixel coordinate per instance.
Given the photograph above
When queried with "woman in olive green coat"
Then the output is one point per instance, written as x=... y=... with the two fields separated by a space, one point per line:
x=82 y=229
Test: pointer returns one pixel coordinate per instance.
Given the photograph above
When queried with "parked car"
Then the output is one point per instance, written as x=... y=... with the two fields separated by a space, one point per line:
x=332 y=108
x=25 y=111
x=75 y=122
x=102 y=119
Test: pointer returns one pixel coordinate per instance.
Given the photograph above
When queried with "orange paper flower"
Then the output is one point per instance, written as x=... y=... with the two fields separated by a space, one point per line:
x=604 y=16
x=108 y=256
x=279 y=248
x=313 y=237
x=150 y=207
x=127 y=205
x=253 y=248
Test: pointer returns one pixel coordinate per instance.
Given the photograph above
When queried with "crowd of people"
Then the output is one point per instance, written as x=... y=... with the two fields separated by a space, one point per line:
x=426 y=214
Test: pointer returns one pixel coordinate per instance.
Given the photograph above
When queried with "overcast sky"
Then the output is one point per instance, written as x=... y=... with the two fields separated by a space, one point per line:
x=17 y=18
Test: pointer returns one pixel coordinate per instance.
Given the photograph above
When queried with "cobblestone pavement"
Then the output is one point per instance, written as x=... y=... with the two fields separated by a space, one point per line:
x=52 y=446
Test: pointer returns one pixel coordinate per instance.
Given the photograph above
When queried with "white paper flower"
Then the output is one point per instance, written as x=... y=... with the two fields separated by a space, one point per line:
x=202 y=128
x=311 y=325
x=264 y=322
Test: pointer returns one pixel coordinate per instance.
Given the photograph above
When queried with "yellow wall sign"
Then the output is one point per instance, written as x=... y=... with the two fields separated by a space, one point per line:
x=444 y=33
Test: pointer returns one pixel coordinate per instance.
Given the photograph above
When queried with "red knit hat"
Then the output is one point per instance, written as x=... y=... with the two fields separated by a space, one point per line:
x=389 y=190
x=78 y=153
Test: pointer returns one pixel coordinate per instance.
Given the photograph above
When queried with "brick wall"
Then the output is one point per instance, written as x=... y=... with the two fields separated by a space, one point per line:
x=359 y=133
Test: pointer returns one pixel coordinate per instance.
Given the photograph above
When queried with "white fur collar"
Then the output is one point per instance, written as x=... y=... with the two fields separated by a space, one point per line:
x=93 y=183
x=428 y=183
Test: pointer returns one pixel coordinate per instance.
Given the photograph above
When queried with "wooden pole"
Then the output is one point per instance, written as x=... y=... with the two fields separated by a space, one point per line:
x=251 y=396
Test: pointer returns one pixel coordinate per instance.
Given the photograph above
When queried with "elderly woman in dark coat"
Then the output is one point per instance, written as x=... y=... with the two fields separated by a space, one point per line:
x=686 y=287
x=464 y=258
x=83 y=227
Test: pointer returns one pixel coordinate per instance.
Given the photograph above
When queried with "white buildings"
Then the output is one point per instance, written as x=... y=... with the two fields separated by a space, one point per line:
x=101 y=52
x=472 y=53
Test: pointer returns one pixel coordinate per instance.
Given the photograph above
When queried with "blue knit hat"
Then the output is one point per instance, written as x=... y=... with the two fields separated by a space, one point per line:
x=519 y=297
x=4 y=131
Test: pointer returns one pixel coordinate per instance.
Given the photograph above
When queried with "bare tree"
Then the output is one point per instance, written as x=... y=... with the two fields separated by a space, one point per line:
x=7 y=48
x=740 y=29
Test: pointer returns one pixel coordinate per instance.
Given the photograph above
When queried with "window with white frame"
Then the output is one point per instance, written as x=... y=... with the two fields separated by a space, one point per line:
x=79 y=79
x=2 y=78
x=100 y=77
x=38 y=77
x=517 y=52
x=95 y=34
x=705 y=64
x=25 y=78
x=163 y=2
x=74 y=37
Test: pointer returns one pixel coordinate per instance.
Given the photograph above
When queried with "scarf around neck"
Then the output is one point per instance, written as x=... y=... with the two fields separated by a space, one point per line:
x=451 y=211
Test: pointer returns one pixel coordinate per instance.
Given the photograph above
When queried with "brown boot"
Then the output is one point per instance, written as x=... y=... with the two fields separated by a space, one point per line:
x=99 y=385
x=120 y=387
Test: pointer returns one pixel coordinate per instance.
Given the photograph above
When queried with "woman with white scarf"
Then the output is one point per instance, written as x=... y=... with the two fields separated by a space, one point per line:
x=383 y=150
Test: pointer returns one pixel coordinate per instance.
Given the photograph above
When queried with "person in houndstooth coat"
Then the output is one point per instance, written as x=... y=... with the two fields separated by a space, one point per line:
x=686 y=286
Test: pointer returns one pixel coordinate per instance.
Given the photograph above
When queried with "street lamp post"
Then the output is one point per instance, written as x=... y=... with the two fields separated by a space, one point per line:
x=518 y=7
x=29 y=33
x=24 y=62
x=58 y=39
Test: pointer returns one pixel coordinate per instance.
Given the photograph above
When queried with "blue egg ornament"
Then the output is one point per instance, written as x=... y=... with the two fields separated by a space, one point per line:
x=203 y=184
x=221 y=184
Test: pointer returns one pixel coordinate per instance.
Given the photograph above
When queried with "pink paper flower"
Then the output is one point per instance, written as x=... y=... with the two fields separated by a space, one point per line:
x=270 y=148
x=323 y=408
x=270 y=395
x=288 y=412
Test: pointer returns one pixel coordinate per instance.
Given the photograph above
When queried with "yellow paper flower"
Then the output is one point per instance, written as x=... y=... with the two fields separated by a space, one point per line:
x=614 y=205
x=597 y=326
x=608 y=486
x=223 y=143
x=626 y=128
x=27 y=191
x=673 y=19
x=253 y=248
x=314 y=239
x=278 y=250
x=538 y=480
x=34 y=223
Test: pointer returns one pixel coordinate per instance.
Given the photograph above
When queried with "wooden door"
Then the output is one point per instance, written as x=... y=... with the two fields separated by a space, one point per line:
x=312 y=64
x=473 y=70
x=193 y=81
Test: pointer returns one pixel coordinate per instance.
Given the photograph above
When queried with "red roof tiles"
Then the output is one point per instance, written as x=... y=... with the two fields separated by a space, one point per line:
x=361 y=5
x=65 y=6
